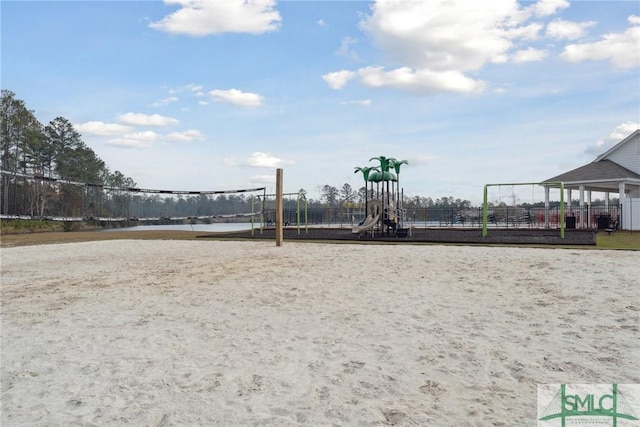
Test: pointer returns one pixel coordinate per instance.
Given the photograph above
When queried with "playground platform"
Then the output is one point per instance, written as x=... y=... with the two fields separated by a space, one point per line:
x=427 y=235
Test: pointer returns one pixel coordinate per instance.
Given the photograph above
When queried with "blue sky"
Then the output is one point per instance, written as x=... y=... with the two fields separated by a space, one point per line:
x=215 y=95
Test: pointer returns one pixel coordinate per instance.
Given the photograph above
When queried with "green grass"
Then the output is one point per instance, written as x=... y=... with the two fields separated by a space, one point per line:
x=618 y=240
x=29 y=226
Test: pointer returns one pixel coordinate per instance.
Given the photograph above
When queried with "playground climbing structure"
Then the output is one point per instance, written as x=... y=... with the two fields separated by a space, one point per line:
x=383 y=199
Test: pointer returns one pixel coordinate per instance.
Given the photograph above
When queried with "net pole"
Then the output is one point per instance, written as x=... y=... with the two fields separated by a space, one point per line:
x=279 y=210
x=306 y=217
x=484 y=212
x=264 y=198
x=298 y=213
x=252 y=213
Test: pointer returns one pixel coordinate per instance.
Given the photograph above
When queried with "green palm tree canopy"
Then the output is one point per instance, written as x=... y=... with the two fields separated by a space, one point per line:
x=395 y=164
x=384 y=162
x=365 y=171
x=377 y=176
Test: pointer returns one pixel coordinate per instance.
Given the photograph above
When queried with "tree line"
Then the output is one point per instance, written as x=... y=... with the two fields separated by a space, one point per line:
x=51 y=151
x=347 y=196
x=56 y=154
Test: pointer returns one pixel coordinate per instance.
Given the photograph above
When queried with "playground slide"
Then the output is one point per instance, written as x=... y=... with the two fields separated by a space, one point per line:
x=367 y=225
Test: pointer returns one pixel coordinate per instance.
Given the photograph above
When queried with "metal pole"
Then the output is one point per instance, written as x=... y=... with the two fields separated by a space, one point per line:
x=484 y=213
x=298 y=213
x=261 y=203
x=279 y=208
x=562 y=219
x=306 y=217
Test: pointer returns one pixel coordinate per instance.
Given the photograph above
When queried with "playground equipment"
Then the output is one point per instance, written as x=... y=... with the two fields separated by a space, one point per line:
x=495 y=214
x=268 y=211
x=372 y=219
x=384 y=212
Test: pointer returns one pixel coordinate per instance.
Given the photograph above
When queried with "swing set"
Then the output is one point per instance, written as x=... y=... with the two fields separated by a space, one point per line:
x=267 y=214
x=489 y=216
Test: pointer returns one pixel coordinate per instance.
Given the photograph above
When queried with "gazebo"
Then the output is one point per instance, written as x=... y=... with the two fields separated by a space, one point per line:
x=615 y=171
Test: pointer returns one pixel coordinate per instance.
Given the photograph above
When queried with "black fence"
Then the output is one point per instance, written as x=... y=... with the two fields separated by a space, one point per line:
x=583 y=217
x=574 y=217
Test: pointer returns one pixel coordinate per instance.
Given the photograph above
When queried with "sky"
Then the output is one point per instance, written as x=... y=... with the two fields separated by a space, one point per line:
x=216 y=95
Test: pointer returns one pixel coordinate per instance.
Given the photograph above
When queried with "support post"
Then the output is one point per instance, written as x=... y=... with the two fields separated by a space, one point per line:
x=252 y=205
x=485 y=213
x=279 y=208
x=298 y=214
x=588 y=212
x=562 y=218
x=546 y=206
x=306 y=217
x=621 y=193
x=581 y=204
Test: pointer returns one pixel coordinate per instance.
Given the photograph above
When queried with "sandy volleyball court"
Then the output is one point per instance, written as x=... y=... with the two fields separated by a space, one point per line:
x=152 y=333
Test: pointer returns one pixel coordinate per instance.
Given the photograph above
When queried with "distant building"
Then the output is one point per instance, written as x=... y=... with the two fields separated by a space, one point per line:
x=615 y=171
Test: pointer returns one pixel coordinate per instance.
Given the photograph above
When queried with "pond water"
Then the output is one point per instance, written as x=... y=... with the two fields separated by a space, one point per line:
x=219 y=227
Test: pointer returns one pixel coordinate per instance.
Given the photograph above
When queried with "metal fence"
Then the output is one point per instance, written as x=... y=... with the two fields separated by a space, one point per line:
x=516 y=217
x=575 y=217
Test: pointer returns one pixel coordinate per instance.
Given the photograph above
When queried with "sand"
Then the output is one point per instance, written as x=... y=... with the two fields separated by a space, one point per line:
x=164 y=333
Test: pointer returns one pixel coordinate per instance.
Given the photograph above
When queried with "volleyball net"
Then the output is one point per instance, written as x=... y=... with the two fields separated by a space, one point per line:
x=35 y=196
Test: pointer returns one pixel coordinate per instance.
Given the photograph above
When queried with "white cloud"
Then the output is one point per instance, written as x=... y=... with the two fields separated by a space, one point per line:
x=539 y=9
x=423 y=81
x=619 y=48
x=623 y=130
x=525 y=32
x=345 y=48
x=101 y=128
x=529 y=55
x=185 y=136
x=164 y=102
x=440 y=35
x=337 y=79
x=634 y=20
x=263 y=179
x=230 y=161
x=548 y=7
x=265 y=160
x=191 y=87
x=205 y=17
x=321 y=22
x=567 y=30
x=135 y=140
x=362 y=102
x=137 y=119
x=237 y=97
x=618 y=134
x=435 y=45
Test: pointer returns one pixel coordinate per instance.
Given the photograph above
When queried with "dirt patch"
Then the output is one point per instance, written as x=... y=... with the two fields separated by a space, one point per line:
x=429 y=235
x=25 y=239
